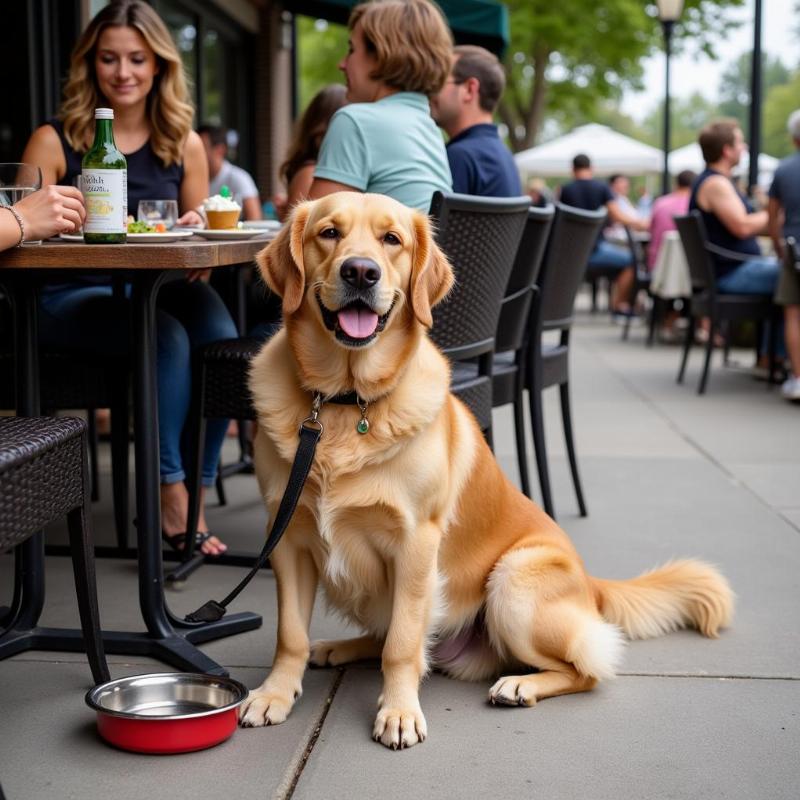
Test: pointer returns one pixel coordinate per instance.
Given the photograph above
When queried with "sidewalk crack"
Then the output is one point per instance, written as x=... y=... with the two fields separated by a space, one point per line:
x=285 y=792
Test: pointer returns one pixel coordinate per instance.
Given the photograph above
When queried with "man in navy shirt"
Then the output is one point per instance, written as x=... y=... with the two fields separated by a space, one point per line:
x=480 y=163
x=590 y=194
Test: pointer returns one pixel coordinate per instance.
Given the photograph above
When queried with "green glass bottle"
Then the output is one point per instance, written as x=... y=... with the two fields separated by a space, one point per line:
x=104 y=182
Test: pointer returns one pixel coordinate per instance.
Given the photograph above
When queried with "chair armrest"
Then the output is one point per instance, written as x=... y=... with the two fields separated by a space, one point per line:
x=732 y=255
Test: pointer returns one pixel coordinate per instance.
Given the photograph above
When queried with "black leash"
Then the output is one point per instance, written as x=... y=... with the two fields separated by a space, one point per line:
x=310 y=432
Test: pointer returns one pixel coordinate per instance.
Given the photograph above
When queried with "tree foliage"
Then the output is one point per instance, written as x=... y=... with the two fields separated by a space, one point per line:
x=781 y=101
x=320 y=47
x=565 y=58
x=735 y=87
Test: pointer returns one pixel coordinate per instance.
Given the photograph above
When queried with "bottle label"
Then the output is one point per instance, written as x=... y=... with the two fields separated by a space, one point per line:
x=105 y=193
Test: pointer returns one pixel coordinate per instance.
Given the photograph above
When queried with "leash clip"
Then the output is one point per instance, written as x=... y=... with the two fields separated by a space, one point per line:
x=312 y=419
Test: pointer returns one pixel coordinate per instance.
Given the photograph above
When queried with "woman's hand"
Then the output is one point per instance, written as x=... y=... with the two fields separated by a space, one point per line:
x=191 y=218
x=50 y=211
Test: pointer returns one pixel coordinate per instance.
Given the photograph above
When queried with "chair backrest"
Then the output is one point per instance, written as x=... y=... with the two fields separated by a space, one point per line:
x=638 y=254
x=572 y=239
x=693 y=238
x=513 y=324
x=480 y=236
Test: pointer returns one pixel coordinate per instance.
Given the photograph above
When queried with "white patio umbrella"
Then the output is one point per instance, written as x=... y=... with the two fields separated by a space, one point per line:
x=691 y=157
x=608 y=151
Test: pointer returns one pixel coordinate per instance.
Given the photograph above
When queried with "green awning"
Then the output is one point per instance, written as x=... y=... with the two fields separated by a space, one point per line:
x=481 y=22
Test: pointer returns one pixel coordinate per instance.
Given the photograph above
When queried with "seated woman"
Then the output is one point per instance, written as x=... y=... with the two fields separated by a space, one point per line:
x=126 y=60
x=298 y=169
x=385 y=140
x=42 y=214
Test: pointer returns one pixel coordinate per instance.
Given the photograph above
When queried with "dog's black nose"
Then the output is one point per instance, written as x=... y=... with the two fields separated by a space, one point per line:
x=360 y=273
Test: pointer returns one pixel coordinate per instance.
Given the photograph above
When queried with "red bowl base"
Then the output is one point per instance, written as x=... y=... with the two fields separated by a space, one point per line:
x=167 y=735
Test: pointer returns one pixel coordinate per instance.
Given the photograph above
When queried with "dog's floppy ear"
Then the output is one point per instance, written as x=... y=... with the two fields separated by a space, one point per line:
x=431 y=274
x=281 y=261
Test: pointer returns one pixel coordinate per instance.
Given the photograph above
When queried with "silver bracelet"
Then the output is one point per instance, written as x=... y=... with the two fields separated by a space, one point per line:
x=18 y=218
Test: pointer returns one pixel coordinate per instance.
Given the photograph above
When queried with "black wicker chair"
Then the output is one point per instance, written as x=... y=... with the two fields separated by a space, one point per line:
x=43 y=468
x=511 y=342
x=718 y=307
x=71 y=380
x=480 y=236
x=641 y=283
x=568 y=248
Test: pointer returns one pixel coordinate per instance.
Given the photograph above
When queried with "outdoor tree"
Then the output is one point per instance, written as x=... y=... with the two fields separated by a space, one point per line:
x=780 y=102
x=321 y=46
x=734 y=87
x=565 y=58
x=688 y=115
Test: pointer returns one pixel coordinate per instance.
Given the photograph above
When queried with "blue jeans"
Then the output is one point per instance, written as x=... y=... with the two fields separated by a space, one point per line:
x=610 y=256
x=189 y=315
x=754 y=276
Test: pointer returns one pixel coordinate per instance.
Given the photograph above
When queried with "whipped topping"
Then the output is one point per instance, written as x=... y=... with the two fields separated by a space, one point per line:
x=220 y=203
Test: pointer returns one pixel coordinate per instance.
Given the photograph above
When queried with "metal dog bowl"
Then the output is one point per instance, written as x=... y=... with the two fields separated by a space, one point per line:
x=168 y=712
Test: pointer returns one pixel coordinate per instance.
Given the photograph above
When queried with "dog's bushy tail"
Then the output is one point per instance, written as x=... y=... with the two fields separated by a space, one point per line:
x=681 y=594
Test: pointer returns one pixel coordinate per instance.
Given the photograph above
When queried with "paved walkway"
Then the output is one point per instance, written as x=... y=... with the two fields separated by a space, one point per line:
x=666 y=473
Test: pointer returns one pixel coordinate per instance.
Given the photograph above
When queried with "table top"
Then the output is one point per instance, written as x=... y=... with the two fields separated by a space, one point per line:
x=186 y=254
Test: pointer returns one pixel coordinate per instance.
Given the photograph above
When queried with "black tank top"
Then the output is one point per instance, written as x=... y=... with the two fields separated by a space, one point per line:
x=148 y=178
x=718 y=234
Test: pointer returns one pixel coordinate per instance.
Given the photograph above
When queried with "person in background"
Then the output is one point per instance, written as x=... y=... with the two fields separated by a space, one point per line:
x=729 y=219
x=590 y=194
x=40 y=215
x=223 y=173
x=479 y=161
x=620 y=186
x=385 y=140
x=665 y=208
x=297 y=171
x=784 y=221
x=538 y=192
x=644 y=205
x=126 y=60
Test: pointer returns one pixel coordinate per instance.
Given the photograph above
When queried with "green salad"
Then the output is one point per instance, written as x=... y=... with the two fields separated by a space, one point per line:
x=140 y=227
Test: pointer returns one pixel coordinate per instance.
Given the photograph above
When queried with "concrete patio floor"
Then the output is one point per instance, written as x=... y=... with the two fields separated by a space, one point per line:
x=666 y=473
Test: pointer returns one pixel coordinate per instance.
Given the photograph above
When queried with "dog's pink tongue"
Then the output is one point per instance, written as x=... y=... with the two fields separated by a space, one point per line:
x=358 y=323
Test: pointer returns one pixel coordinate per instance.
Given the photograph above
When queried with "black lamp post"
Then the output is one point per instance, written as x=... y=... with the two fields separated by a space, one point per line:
x=669 y=11
x=755 y=100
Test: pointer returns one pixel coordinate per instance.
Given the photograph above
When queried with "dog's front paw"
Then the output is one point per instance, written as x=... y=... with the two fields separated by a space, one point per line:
x=514 y=690
x=400 y=727
x=265 y=707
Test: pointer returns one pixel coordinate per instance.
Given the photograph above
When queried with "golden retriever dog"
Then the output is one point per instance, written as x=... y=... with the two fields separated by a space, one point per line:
x=413 y=530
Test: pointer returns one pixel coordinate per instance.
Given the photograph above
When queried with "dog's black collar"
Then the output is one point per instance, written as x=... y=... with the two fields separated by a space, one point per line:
x=348 y=399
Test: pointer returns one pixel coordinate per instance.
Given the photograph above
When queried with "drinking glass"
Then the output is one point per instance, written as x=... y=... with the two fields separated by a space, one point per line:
x=18 y=181
x=153 y=211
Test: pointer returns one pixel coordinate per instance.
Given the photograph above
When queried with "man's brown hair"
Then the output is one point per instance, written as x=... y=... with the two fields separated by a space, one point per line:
x=715 y=136
x=410 y=40
x=476 y=62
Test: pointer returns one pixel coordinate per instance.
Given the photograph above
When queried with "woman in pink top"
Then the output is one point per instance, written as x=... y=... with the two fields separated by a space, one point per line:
x=671 y=205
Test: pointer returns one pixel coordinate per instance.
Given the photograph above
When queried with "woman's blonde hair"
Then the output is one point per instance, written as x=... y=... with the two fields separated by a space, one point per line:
x=410 y=40
x=169 y=110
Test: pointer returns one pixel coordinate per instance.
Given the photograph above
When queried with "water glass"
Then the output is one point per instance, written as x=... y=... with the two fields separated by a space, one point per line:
x=155 y=211
x=18 y=181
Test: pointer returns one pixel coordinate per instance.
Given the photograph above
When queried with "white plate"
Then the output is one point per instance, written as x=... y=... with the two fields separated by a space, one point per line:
x=137 y=238
x=263 y=224
x=164 y=238
x=231 y=233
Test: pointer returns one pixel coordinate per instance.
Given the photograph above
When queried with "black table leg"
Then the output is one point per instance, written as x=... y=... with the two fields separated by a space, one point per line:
x=162 y=640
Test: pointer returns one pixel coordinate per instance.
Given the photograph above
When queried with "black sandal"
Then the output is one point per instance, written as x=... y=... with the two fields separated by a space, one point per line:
x=177 y=541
